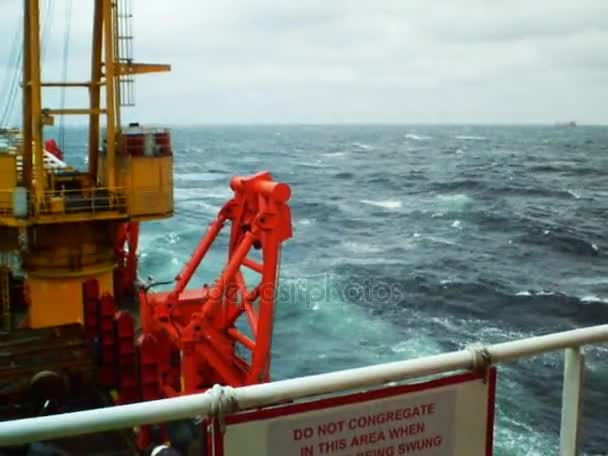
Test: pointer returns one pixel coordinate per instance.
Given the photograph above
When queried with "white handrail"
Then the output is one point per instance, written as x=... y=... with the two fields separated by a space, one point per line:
x=249 y=397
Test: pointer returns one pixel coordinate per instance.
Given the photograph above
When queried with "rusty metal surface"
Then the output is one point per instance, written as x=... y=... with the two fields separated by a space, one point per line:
x=49 y=371
x=26 y=352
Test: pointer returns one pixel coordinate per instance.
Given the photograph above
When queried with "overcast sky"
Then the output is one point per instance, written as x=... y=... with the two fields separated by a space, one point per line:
x=337 y=61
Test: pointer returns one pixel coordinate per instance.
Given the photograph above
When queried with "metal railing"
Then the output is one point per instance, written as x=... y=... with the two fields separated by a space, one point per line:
x=139 y=201
x=89 y=201
x=62 y=202
x=212 y=402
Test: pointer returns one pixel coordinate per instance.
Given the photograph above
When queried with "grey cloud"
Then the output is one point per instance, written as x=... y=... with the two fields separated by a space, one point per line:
x=356 y=60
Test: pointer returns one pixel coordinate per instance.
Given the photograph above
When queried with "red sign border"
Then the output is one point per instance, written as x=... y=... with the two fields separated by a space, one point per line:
x=364 y=396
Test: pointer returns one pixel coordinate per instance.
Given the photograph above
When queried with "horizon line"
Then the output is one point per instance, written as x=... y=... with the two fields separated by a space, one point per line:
x=346 y=124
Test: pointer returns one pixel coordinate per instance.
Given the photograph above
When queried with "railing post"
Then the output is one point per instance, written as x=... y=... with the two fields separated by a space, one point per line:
x=574 y=367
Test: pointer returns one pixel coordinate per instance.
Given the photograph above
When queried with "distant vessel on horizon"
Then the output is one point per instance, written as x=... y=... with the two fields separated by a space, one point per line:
x=569 y=124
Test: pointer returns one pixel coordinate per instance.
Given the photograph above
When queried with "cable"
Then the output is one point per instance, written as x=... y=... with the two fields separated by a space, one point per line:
x=64 y=71
x=49 y=14
x=16 y=61
x=11 y=78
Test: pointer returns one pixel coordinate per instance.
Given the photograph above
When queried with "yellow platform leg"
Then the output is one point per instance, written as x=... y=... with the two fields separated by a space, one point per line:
x=61 y=258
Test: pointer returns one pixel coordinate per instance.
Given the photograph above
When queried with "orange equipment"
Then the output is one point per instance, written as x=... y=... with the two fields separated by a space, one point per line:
x=192 y=335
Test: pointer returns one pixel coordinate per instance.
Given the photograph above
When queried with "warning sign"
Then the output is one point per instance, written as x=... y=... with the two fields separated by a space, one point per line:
x=449 y=416
x=392 y=426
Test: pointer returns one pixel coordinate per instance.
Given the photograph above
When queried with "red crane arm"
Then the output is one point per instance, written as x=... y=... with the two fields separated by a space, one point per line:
x=204 y=325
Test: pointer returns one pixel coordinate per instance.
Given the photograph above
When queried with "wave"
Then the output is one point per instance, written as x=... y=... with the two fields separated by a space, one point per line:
x=562 y=241
x=344 y=175
x=458 y=184
x=334 y=154
x=387 y=204
x=457 y=224
x=535 y=192
x=546 y=169
x=471 y=138
x=317 y=164
x=577 y=195
x=441 y=240
x=360 y=247
x=453 y=202
x=196 y=177
x=417 y=137
x=305 y=221
x=193 y=209
x=594 y=298
x=201 y=193
x=363 y=146
x=535 y=293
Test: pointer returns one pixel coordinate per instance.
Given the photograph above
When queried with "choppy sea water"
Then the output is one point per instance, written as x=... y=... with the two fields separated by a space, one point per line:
x=414 y=240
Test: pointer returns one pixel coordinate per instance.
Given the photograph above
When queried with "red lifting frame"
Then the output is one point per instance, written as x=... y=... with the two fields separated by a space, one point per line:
x=204 y=324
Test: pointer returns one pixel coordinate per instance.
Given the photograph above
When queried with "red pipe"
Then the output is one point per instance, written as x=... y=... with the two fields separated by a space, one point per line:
x=217 y=291
x=199 y=253
x=242 y=338
x=255 y=266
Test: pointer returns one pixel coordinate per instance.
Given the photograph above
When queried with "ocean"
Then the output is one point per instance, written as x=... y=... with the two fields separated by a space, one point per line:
x=416 y=240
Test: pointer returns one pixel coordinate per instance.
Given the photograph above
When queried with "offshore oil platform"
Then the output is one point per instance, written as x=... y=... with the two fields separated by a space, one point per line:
x=78 y=329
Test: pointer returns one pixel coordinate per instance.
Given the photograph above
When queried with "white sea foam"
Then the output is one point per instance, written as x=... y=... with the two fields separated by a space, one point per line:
x=388 y=204
x=535 y=293
x=457 y=224
x=181 y=193
x=576 y=195
x=305 y=221
x=594 y=298
x=515 y=435
x=200 y=193
x=417 y=137
x=470 y=137
x=334 y=154
x=197 y=177
x=361 y=247
x=363 y=146
x=454 y=202
x=196 y=207
x=310 y=164
x=440 y=240
x=217 y=194
x=173 y=238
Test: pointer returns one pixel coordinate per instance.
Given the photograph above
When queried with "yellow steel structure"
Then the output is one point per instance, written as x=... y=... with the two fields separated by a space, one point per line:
x=149 y=184
x=64 y=224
